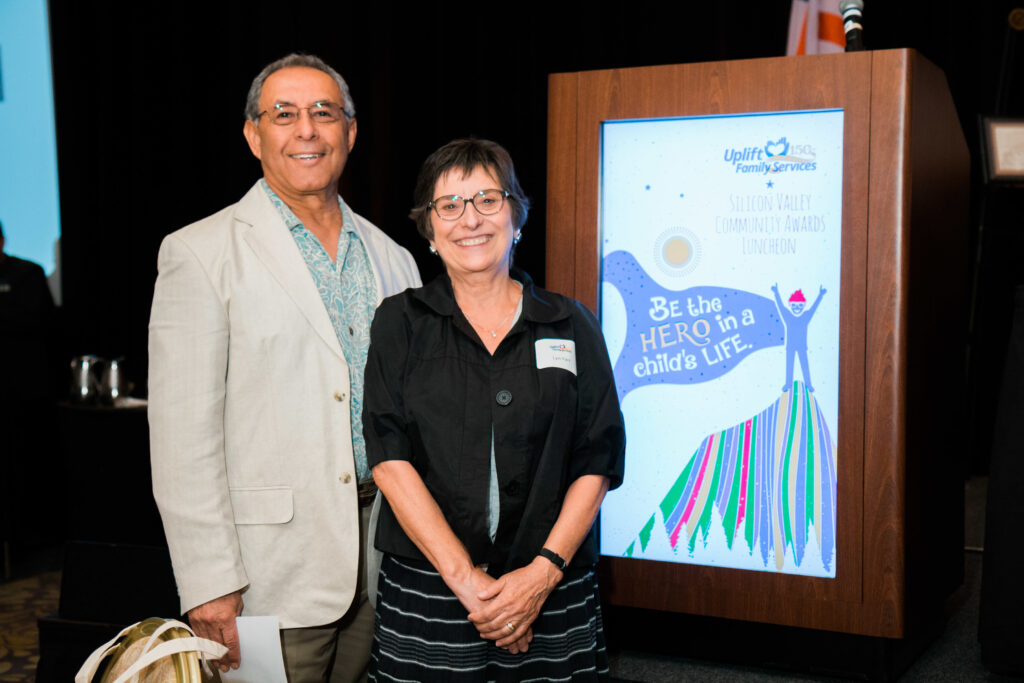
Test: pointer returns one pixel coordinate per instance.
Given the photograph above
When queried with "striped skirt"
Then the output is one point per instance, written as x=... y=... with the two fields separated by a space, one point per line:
x=422 y=633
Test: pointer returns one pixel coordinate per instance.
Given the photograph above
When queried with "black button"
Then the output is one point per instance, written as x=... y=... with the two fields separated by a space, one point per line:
x=512 y=488
x=503 y=397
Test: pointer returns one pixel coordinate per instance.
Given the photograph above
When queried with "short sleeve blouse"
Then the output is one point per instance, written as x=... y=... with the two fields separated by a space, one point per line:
x=433 y=393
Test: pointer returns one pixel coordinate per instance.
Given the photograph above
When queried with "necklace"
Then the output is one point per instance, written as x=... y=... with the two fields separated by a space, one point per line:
x=494 y=332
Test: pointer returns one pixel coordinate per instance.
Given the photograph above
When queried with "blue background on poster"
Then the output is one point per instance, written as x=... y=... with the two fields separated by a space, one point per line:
x=689 y=336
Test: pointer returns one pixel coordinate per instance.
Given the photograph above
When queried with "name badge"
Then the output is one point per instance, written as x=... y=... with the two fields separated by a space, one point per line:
x=556 y=353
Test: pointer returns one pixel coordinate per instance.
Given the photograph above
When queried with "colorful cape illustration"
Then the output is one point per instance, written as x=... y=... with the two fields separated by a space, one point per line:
x=771 y=479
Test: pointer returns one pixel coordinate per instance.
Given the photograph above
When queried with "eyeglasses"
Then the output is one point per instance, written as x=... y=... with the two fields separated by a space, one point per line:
x=320 y=112
x=486 y=202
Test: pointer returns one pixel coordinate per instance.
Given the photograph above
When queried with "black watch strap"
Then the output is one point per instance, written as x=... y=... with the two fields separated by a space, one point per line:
x=555 y=558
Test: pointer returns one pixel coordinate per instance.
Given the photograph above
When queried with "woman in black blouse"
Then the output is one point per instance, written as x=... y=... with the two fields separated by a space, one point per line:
x=493 y=428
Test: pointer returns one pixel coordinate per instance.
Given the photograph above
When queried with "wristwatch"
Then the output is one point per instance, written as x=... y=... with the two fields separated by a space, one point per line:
x=555 y=558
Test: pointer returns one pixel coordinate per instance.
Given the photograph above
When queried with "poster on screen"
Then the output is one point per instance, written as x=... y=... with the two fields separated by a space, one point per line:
x=720 y=276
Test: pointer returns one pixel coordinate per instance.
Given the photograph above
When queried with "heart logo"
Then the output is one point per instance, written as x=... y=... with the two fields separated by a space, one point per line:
x=778 y=148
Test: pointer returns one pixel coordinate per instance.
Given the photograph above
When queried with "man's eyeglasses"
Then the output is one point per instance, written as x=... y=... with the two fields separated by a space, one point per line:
x=319 y=112
x=451 y=207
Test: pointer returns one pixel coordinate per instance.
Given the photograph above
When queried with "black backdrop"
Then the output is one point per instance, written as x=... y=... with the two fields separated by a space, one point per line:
x=149 y=100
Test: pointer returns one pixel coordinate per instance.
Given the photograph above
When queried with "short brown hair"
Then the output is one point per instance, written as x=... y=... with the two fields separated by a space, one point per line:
x=467 y=155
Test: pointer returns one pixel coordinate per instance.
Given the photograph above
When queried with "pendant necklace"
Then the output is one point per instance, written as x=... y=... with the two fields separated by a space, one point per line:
x=494 y=332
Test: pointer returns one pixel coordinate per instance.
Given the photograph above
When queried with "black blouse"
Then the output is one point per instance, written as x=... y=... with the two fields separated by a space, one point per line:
x=433 y=393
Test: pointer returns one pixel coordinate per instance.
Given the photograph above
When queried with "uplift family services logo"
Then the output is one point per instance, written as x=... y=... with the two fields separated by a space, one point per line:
x=776 y=156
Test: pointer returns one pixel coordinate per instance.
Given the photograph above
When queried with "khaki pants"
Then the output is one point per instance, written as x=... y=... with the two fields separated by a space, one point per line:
x=340 y=650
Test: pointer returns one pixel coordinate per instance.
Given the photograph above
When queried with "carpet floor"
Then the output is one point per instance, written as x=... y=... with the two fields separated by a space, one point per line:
x=22 y=602
x=953 y=656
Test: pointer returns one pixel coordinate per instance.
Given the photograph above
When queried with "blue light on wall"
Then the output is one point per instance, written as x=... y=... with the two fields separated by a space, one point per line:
x=29 y=196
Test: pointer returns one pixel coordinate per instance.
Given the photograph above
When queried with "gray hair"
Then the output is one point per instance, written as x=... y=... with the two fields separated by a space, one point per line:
x=252 y=100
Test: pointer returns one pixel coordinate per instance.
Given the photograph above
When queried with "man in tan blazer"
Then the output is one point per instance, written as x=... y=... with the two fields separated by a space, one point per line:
x=258 y=339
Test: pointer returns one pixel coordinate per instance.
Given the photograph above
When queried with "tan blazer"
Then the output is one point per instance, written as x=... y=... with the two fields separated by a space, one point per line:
x=250 y=433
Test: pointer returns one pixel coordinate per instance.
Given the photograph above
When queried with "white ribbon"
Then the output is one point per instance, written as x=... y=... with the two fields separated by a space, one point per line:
x=151 y=652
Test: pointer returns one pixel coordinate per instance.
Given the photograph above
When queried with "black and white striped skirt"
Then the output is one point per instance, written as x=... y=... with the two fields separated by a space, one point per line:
x=422 y=633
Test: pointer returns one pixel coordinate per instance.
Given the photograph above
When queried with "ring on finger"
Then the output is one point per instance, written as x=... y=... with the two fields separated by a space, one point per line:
x=510 y=626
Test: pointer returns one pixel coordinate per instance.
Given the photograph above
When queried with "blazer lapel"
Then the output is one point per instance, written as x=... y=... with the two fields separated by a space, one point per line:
x=273 y=245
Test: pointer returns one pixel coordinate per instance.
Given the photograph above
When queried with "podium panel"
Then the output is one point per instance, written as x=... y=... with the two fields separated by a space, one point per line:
x=854 y=548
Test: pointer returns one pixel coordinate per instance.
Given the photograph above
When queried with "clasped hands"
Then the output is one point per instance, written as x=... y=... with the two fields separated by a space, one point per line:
x=513 y=600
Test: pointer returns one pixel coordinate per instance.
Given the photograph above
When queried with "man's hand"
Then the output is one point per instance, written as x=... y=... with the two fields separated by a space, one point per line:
x=215 y=620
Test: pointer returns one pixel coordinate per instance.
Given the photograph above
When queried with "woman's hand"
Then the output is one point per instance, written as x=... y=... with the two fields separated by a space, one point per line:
x=468 y=588
x=515 y=599
x=422 y=521
x=523 y=644
x=468 y=591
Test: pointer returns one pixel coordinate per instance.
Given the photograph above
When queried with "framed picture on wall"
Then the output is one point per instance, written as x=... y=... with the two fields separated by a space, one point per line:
x=1003 y=147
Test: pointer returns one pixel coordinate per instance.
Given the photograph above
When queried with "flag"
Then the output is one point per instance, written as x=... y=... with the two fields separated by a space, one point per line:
x=815 y=27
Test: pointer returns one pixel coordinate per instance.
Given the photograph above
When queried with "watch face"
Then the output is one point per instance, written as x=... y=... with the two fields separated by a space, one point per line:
x=178 y=668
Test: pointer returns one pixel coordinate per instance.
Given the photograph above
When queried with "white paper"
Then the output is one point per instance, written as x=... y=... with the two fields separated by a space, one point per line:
x=262 y=662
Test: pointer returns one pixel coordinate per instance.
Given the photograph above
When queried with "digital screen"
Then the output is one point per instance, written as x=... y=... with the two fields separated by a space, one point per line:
x=29 y=196
x=720 y=259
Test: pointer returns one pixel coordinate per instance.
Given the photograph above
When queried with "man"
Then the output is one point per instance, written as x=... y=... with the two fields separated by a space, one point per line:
x=27 y=409
x=26 y=325
x=257 y=347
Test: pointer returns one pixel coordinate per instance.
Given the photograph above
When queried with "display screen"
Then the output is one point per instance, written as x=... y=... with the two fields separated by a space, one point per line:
x=29 y=197
x=720 y=260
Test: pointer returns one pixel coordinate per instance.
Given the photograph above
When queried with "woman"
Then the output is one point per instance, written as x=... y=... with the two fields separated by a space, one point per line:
x=493 y=428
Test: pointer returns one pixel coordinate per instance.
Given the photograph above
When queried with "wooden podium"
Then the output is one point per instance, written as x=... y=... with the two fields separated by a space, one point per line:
x=902 y=324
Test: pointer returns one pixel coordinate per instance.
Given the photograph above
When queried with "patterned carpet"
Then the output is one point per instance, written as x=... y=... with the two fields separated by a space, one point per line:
x=21 y=603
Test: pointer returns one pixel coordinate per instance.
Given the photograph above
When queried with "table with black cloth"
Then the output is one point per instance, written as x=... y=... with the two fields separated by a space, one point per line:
x=1001 y=615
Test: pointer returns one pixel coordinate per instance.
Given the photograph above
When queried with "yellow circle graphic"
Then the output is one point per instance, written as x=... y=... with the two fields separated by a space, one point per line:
x=677 y=251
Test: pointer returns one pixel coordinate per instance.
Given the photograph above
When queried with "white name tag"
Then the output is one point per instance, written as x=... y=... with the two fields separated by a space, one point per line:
x=556 y=353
